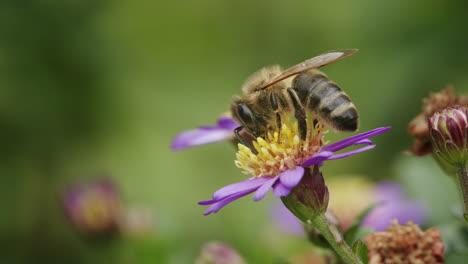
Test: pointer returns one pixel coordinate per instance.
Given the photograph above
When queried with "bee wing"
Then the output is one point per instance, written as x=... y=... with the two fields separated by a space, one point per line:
x=315 y=62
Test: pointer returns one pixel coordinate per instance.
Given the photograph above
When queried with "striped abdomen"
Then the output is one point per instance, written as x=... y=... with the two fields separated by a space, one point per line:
x=318 y=94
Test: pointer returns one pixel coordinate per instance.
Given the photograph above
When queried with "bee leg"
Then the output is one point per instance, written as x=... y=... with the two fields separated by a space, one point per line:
x=243 y=141
x=274 y=105
x=299 y=114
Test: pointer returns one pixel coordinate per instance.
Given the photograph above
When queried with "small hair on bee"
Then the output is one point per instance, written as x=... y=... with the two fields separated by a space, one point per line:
x=259 y=77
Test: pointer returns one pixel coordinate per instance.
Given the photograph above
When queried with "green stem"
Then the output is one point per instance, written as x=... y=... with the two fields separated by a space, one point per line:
x=334 y=237
x=462 y=174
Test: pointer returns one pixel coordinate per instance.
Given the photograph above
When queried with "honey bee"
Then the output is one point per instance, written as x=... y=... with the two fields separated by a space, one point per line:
x=271 y=92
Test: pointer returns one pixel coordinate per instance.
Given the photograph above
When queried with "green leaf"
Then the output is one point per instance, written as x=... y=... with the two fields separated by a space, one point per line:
x=360 y=249
x=355 y=232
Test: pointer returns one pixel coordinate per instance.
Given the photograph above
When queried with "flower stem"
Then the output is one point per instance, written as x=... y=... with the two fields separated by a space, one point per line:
x=462 y=174
x=334 y=237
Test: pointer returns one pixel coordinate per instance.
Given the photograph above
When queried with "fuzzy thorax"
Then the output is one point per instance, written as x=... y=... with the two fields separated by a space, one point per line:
x=279 y=150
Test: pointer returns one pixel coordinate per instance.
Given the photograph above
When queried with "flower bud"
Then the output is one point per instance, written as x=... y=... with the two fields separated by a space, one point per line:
x=448 y=131
x=218 y=253
x=434 y=103
x=309 y=197
x=94 y=208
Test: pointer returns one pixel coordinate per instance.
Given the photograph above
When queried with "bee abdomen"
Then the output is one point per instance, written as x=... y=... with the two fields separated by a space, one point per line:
x=345 y=119
x=327 y=100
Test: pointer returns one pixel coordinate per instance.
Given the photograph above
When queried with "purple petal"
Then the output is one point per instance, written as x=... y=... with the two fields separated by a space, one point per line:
x=227 y=123
x=219 y=205
x=403 y=211
x=263 y=190
x=354 y=139
x=208 y=202
x=364 y=142
x=290 y=178
x=317 y=159
x=456 y=131
x=280 y=190
x=350 y=153
x=200 y=136
x=234 y=188
x=223 y=130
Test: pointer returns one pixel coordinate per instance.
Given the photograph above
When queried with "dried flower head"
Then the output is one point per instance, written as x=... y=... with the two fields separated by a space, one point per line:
x=405 y=244
x=418 y=126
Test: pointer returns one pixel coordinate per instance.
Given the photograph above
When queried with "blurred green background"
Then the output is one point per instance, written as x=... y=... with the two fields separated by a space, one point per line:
x=91 y=88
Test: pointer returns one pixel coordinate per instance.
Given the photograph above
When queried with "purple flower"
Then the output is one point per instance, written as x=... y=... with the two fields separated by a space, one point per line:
x=281 y=161
x=393 y=205
x=93 y=208
x=222 y=131
x=359 y=194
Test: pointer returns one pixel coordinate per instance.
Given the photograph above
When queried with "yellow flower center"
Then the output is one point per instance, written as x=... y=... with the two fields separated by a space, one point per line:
x=279 y=150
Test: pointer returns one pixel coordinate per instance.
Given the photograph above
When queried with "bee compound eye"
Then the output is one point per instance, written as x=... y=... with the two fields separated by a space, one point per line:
x=245 y=114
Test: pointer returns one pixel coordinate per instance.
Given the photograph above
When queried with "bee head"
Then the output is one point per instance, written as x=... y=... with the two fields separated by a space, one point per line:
x=242 y=112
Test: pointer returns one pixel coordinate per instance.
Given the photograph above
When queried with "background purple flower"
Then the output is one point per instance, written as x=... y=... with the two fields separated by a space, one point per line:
x=284 y=220
x=393 y=205
x=93 y=208
x=223 y=130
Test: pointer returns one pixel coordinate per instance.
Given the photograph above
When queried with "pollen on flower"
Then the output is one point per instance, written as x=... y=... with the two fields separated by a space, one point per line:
x=279 y=150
